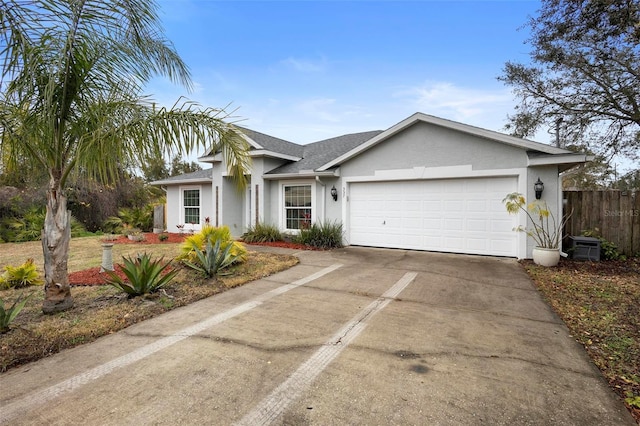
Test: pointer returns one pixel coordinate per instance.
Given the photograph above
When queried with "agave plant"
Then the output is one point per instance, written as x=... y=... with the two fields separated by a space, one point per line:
x=143 y=275
x=8 y=315
x=211 y=233
x=213 y=259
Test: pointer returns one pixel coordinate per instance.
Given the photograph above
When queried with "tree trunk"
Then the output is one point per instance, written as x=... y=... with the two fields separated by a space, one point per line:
x=55 y=245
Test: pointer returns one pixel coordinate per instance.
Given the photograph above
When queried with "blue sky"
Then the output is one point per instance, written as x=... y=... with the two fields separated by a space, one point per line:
x=310 y=70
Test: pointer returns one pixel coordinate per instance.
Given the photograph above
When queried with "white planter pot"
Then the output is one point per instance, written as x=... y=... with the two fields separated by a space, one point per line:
x=546 y=256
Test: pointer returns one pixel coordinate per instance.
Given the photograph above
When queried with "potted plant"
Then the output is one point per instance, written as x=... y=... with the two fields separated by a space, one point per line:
x=546 y=231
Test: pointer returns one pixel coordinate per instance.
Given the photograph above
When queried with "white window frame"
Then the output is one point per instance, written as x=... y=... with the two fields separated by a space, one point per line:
x=183 y=189
x=283 y=208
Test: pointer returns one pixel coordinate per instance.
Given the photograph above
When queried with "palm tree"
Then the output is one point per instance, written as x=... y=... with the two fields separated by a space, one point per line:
x=73 y=74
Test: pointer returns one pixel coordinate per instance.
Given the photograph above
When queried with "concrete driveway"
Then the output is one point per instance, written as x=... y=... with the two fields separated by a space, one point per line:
x=351 y=336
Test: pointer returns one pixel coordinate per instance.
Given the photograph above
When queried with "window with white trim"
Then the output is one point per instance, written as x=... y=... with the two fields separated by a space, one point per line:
x=297 y=206
x=191 y=206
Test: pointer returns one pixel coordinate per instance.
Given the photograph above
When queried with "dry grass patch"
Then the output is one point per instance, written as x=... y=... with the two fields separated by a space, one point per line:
x=84 y=253
x=102 y=310
x=600 y=303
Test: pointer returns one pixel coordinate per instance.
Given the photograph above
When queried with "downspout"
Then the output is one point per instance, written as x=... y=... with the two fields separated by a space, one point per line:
x=560 y=210
x=324 y=190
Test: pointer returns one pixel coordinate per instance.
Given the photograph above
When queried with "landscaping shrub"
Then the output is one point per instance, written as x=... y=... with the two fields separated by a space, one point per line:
x=262 y=233
x=143 y=275
x=27 y=226
x=8 y=315
x=213 y=234
x=24 y=275
x=140 y=218
x=321 y=235
x=213 y=259
x=608 y=249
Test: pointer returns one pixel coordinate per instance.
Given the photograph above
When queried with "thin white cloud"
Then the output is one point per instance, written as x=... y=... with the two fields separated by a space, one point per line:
x=482 y=107
x=305 y=65
x=324 y=109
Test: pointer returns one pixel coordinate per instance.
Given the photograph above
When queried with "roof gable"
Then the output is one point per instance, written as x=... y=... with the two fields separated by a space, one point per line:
x=261 y=141
x=318 y=153
x=524 y=144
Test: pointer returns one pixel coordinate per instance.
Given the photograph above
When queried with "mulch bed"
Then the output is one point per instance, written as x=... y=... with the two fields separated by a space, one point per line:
x=93 y=276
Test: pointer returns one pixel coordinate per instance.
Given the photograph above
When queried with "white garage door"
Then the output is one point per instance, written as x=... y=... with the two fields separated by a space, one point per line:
x=450 y=215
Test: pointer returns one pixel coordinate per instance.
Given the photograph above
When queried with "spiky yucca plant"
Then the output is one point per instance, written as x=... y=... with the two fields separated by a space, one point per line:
x=211 y=233
x=143 y=275
x=213 y=259
x=8 y=315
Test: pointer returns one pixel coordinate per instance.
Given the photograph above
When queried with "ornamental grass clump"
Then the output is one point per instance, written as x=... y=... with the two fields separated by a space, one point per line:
x=546 y=231
x=326 y=235
x=262 y=233
x=143 y=275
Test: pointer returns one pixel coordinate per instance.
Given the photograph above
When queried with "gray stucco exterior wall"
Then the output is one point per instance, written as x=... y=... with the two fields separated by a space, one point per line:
x=428 y=145
x=232 y=202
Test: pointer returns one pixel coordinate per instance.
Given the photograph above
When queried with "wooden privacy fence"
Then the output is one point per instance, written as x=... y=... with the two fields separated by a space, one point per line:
x=616 y=215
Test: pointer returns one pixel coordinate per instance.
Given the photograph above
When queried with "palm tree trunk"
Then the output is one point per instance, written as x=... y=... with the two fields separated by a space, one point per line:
x=55 y=245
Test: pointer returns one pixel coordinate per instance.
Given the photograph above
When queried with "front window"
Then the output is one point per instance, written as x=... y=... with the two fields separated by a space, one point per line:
x=191 y=203
x=297 y=206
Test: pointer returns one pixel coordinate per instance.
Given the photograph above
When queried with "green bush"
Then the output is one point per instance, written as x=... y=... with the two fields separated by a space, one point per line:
x=8 y=315
x=143 y=275
x=135 y=217
x=608 y=249
x=321 y=235
x=262 y=233
x=210 y=233
x=213 y=259
x=24 y=275
x=28 y=227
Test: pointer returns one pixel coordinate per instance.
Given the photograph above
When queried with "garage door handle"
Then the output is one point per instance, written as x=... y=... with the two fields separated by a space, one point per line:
x=384 y=222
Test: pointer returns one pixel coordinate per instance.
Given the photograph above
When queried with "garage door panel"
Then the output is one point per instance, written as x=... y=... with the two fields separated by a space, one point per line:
x=455 y=215
x=477 y=225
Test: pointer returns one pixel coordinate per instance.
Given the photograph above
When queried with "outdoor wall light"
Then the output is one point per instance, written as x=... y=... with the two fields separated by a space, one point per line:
x=538 y=187
x=334 y=193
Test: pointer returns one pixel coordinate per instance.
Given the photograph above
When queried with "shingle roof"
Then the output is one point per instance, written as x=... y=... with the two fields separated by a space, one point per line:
x=318 y=153
x=271 y=143
x=205 y=175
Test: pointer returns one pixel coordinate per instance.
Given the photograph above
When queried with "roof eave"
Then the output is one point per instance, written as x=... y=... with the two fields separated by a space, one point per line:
x=273 y=154
x=210 y=158
x=547 y=160
x=180 y=181
x=301 y=175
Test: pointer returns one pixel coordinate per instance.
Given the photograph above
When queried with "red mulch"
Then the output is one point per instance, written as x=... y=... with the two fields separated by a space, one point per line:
x=92 y=276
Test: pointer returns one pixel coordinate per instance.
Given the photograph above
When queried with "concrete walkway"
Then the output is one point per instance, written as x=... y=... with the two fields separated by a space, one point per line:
x=351 y=336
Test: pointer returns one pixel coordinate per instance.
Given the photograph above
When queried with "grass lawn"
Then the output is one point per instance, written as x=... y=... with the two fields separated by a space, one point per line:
x=600 y=303
x=102 y=310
